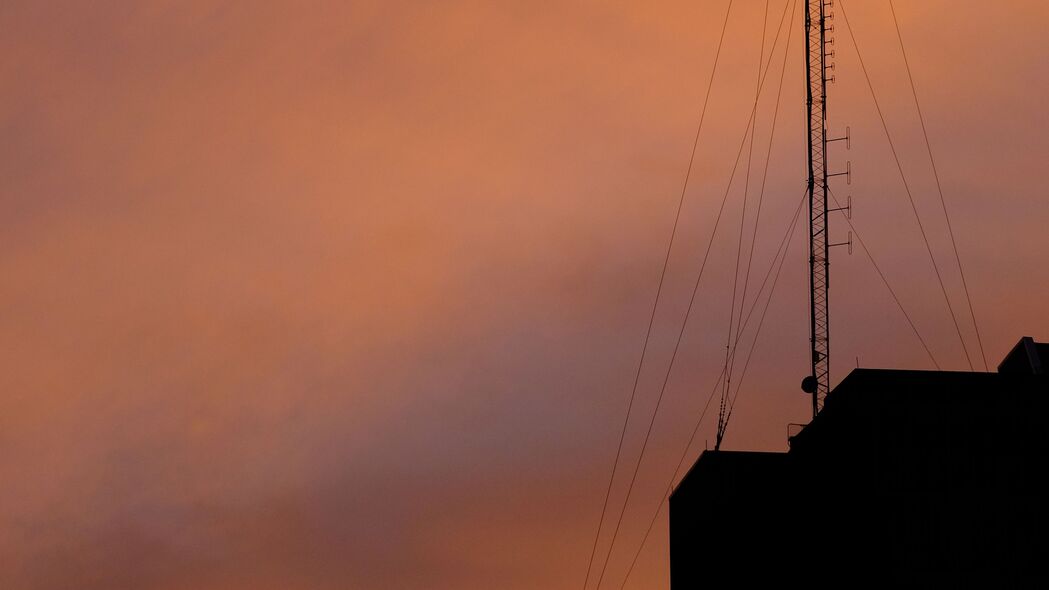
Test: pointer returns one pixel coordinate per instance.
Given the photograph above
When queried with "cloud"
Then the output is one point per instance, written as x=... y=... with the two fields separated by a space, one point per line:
x=352 y=296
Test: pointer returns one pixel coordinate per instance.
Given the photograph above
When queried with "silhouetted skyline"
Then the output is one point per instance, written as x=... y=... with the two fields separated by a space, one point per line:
x=351 y=295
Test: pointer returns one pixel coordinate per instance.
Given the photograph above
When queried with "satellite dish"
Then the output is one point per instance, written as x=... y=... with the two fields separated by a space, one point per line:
x=809 y=384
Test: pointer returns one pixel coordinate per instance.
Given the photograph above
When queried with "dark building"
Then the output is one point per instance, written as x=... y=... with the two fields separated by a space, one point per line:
x=904 y=477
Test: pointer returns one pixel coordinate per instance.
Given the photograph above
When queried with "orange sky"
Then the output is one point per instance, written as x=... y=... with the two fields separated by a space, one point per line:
x=351 y=296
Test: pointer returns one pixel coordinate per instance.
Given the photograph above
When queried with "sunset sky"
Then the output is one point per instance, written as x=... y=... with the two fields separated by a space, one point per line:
x=351 y=294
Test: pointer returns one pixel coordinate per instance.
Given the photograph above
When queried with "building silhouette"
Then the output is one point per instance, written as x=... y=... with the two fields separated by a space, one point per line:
x=904 y=478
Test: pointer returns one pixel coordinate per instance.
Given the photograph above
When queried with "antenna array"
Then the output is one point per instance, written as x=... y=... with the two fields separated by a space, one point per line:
x=819 y=72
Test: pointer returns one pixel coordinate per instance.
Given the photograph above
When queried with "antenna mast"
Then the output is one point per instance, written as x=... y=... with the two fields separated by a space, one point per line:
x=818 y=382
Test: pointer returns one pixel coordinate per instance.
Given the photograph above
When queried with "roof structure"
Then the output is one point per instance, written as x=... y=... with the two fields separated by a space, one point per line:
x=918 y=475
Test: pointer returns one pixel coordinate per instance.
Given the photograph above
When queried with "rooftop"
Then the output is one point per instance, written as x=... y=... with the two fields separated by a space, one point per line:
x=908 y=474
